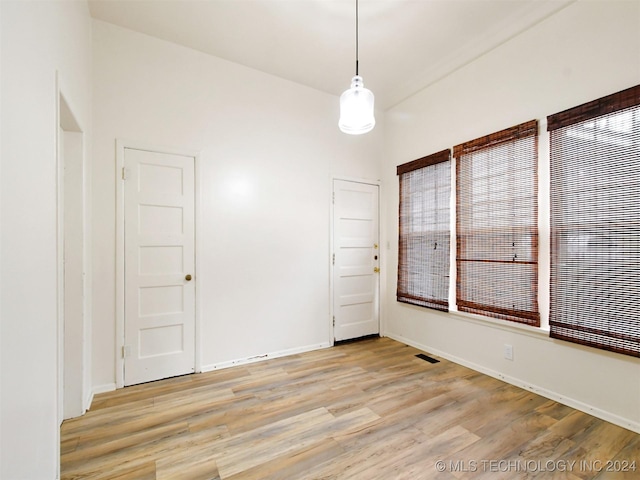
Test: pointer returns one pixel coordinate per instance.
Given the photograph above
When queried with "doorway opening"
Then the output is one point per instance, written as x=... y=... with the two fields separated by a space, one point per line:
x=73 y=324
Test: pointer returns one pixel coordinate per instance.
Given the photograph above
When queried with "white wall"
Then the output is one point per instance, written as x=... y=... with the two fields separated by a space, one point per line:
x=1 y=311
x=268 y=149
x=588 y=50
x=38 y=39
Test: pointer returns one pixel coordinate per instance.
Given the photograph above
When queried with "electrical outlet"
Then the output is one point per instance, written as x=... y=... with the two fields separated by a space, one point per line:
x=508 y=352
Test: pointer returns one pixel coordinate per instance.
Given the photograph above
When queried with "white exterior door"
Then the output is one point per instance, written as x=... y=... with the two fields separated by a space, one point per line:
x=356 y=260
x=159 y=262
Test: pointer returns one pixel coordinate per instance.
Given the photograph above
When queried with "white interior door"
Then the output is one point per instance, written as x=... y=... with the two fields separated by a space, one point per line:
x=159 y=254
x=356 y=260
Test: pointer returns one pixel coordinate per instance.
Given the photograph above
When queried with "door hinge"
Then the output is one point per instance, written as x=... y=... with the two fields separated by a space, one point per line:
x=124 y=173
x=333 y=198
x=333 y=259
x=334 y=320
x=126 y=351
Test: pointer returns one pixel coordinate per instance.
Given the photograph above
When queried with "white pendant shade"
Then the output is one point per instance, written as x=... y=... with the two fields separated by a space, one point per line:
x=356 y=109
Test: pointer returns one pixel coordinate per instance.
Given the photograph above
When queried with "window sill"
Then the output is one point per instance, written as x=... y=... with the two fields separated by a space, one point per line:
x=536 y=332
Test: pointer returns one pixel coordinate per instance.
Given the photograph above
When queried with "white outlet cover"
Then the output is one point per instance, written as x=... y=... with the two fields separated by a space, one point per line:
x=508 y=352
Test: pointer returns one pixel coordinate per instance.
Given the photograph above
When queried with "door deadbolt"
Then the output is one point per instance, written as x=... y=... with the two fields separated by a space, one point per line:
x=376 y=269
x=188 y=277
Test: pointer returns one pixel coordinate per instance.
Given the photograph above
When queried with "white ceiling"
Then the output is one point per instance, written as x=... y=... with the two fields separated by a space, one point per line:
x=405 y=45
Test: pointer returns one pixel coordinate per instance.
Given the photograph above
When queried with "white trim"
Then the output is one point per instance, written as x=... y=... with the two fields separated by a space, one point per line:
x=506 y=325
x=571 y=402
x=68 y=122
x=89 y=400
x=376 y=183
x=148 y=147
x=197 y=193
x=332 y=194
x=98 y=389
x=59 y=276
x=382 y=263
x=266 y=356
x=508 y=28
x=355 y=180
x=121 y=144
x=119 y=339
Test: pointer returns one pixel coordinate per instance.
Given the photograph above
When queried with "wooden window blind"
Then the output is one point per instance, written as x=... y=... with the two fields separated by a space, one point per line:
x=595 y=223
x=496 y=222
x=424 y=218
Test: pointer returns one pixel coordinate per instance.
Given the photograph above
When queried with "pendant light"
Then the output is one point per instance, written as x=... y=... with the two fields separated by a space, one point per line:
x=356 y=104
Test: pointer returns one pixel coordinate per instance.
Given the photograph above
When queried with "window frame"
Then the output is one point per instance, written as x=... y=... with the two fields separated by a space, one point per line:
x=464 y=266
x=405 y=293
x=593 y=328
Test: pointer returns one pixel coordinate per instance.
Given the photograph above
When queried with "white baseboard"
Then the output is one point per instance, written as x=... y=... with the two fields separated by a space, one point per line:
x=266 y=356
x=558 y=397
x=110 y=387
x=107 y=387
x=88 y=401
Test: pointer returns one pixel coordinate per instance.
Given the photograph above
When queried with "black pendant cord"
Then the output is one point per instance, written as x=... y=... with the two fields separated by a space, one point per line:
x=356 y=37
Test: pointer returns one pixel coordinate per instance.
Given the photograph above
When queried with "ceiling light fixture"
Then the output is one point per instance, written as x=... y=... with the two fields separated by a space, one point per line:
x=356 y=104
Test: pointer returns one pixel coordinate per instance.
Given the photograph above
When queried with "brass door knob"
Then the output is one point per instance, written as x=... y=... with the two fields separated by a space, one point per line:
x=188 y=278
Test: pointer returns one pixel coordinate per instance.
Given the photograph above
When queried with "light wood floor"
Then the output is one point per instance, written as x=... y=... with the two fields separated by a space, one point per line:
x=366 y=410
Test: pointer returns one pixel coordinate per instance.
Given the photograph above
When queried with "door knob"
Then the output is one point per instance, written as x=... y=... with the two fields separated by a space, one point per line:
x=188 y=277
x=376 y=269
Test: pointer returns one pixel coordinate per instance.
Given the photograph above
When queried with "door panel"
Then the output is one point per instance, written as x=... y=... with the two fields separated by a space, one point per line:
x=159 y=254
x=355 y=240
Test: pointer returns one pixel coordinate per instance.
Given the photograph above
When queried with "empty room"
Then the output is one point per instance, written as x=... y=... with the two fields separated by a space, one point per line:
x=319 y=239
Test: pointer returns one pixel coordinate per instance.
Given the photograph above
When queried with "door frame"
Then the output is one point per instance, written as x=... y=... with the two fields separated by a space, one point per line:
x=378 y=184
x=121 y=145
x=67 y=123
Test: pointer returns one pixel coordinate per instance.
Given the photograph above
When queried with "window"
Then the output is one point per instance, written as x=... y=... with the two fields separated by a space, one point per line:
x=595 y=223
x=423 y=259
x=496 y=217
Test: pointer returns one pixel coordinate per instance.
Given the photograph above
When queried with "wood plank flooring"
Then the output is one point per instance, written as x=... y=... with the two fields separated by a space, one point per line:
x=365 y=410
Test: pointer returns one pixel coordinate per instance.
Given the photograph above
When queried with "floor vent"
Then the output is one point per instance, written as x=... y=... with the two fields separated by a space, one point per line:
x=427 y=358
